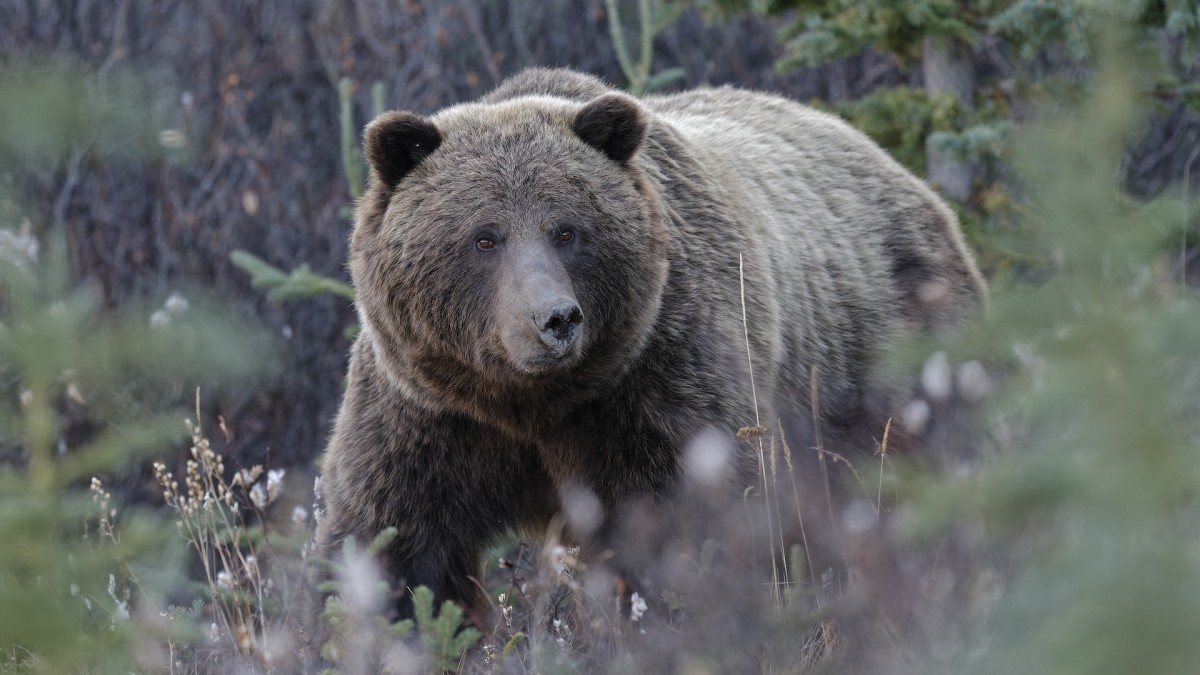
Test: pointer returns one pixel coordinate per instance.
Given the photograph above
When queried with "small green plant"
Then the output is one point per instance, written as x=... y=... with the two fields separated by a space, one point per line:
x=299 y=284
x=71 y=603
x=443 y=638
x=352 y=158
x=654 y=17
x=362 y=641
x=353 y=605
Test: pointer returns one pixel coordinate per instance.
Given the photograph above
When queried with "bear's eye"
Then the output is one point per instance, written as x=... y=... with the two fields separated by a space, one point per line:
x=485 y=243
x=565 y=236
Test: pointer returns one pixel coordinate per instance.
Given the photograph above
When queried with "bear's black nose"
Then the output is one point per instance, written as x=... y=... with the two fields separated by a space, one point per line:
x=558 y=324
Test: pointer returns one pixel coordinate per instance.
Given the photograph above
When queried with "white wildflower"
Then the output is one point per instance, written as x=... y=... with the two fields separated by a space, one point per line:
x=176 y=304
x=915 y=416
x=506 y=611
x=859 y=516
x=121 y=610
x=246 y=477
x=19 y=246
x=275 y=481
x=258 y=495
x=708 y=457
x=172 y=139
x=318 y=513
x=262 y=494
x=160 y=318
x=558 y=555
x=973 y=381
x=637 y=607
x=225 y=579
x=299 y=515
x=250 y=202
x=583 y=510
x=562 y=632
x=937 y=377
x=359 y=581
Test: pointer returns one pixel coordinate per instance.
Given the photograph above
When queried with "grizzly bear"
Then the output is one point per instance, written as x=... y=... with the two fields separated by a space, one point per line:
x=561 y=287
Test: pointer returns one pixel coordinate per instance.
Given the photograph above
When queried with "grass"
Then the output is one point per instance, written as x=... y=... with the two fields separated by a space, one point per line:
x=224 y=522
x=555 y=609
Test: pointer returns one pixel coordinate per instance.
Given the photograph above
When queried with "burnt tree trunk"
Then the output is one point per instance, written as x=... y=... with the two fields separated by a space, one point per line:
x=948 y=67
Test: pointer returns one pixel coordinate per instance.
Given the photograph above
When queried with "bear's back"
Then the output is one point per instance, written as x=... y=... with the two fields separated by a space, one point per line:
x=823 y=186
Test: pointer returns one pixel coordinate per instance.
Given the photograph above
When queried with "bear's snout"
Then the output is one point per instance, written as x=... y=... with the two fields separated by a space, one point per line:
x=557 y=324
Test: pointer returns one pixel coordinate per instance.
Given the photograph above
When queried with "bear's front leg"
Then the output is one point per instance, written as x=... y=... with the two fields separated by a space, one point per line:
x=446 y=483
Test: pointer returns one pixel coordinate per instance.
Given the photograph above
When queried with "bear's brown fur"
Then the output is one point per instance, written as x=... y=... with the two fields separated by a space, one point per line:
x=550 y=286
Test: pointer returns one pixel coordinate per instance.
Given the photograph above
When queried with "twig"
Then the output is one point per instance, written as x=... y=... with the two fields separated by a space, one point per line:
x=1187 y=169
x=815 y=404
x=883 y=445
x=471 y=12
x=787 y=456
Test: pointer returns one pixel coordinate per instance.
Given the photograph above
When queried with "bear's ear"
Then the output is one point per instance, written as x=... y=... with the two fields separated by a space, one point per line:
x=613 y=124
x=396 y=142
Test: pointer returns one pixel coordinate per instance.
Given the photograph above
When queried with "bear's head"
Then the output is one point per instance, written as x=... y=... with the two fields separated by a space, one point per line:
x=511 y=246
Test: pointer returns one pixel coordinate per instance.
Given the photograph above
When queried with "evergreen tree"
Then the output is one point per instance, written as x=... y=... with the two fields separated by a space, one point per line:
x=960 y=51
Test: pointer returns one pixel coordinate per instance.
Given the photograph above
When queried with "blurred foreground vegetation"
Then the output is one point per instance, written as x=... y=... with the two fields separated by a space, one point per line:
x=1054 y=533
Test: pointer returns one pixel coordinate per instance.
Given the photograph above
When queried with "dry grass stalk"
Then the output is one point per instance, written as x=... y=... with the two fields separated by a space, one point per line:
x=762 y=463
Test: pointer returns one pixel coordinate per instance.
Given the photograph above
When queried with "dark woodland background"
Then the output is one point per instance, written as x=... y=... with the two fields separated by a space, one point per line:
x=253 y=88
